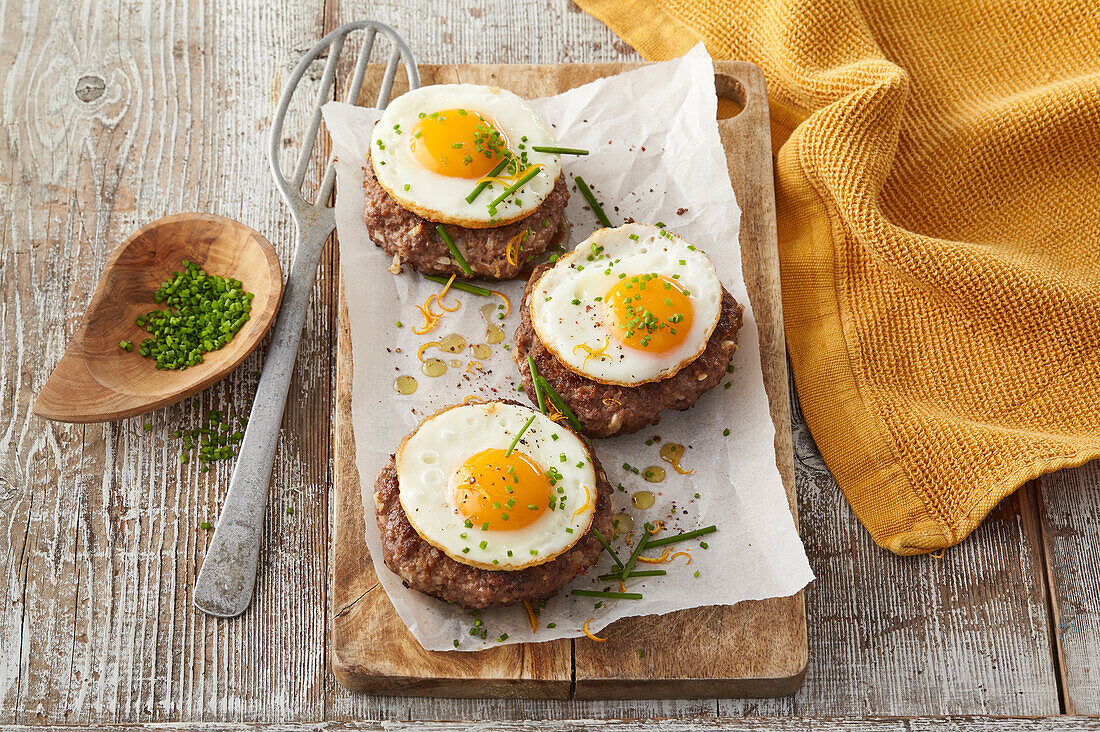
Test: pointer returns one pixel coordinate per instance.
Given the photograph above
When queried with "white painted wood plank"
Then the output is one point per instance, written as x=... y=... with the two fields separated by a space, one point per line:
x=889 y=635
x=1070 y=501
x=771 y=724
x=102 y=521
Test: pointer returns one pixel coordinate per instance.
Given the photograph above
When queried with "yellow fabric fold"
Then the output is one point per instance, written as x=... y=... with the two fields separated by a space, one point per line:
x=938 y=194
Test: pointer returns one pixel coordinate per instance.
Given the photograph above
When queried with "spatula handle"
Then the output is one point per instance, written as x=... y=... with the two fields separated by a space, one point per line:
x=228 y=575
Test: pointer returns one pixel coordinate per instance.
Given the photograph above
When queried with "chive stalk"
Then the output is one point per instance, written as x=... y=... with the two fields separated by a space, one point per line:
x=558 y=402
x=607 y=547
x=596 y=208
x=642 y=543
x=454 y=250
x=459 y=285
x=559 y=150
x=616 y=576
x=519 y=435
x=535 y=384
x=608 y=595
x=481 y=186
x=515 y=186
x=682 y=537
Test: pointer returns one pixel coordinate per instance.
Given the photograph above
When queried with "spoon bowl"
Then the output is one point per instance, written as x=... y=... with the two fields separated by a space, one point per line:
x=96 y=381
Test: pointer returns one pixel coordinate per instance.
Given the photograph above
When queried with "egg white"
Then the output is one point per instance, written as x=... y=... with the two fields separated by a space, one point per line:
x=427 y=459
x=589 y=272
x=440 y=198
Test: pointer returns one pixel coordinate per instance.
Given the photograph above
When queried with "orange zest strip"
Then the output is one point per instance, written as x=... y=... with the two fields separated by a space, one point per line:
x=678 y=469
x=474 y=366
x=587 y=502
x=426 y=346
x=589 y=634
x=590 y=353
x=430 y=319
x=680 y=554
x=473 y=399
x=531 y=617
x=622 y=587
x=442 y=293
x=514 y=245
x=507 y=302
x=666 y=556
x=509 y=180
x=657 y=560
x=657 y=526
x=611 y=402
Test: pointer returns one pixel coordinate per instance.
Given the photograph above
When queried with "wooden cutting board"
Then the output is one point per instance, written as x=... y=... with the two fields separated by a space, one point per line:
x=751 y=649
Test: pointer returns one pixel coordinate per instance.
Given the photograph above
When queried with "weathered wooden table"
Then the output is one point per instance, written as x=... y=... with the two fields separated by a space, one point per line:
x=116 y=114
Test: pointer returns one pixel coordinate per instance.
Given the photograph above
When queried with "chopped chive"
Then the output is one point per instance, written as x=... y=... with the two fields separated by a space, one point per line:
x=683 y=537
x=608 y=595
x=607 y=546
x=481 y=186
x=519 y=434
x=535 y=384
x=558 y=150
x=454 y=250
x=587 y=193
x=558 y=402
x=515 y=186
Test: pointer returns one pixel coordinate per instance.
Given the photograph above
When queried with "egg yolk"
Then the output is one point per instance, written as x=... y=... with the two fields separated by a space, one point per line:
x=505 y=492
x=648 y=312
x=457 y=143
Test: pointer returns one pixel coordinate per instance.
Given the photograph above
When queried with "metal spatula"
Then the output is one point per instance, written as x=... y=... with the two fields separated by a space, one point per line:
x=228 y=575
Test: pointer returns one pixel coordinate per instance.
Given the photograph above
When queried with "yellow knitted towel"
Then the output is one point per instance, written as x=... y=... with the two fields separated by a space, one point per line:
x=938 y=188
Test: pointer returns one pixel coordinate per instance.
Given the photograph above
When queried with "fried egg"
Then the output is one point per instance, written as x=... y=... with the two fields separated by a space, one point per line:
x=486 y=499
x=434 y=145
x=628 y=306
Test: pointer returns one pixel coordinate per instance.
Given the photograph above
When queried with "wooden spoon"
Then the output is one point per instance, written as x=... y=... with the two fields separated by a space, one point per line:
x=96 y=381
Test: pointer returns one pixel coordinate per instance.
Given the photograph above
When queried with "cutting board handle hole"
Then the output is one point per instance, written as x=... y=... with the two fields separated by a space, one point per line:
x=731 y=96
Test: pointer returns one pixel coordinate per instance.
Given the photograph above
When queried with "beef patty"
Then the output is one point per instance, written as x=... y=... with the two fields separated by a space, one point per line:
x=413 y=240
x=427 y=569
x=608 y=409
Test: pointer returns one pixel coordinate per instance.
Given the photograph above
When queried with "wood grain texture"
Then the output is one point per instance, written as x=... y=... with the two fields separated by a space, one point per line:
x=726 y=724
x=1070 y=505
x=753 y=649
x=115 y=114
x=97 y=381
x=963 y=634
